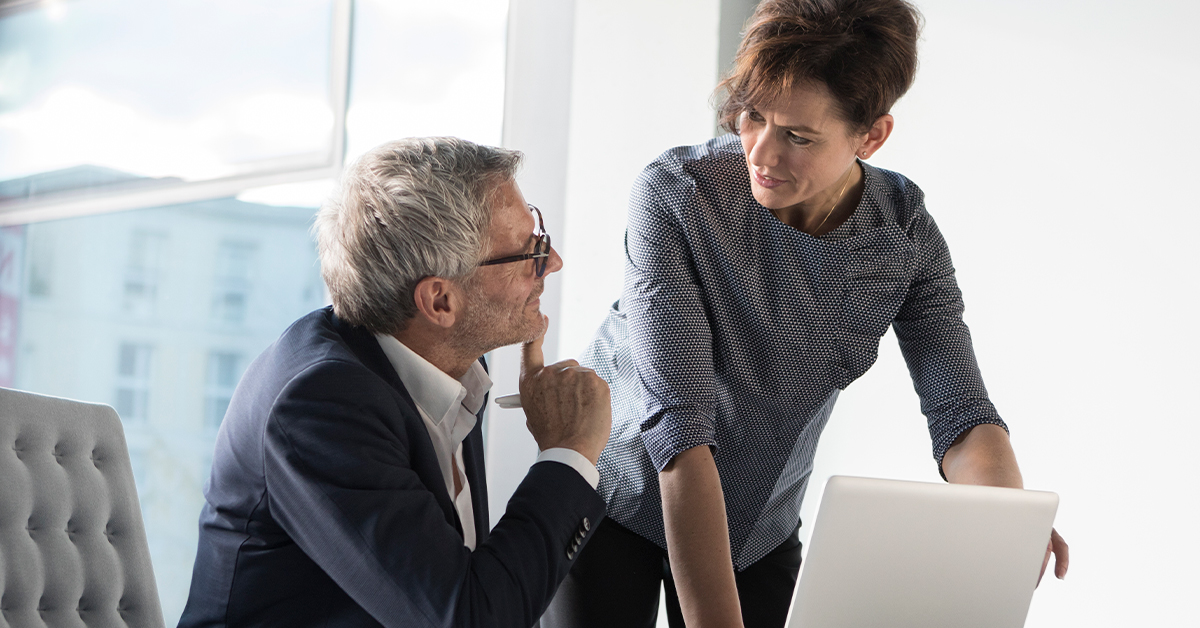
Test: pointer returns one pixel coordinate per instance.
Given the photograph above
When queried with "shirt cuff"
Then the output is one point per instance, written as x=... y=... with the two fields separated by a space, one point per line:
x=572 y=459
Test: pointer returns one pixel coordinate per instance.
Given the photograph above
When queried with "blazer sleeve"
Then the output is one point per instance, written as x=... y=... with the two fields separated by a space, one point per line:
x=937 y=344
x=341 y=483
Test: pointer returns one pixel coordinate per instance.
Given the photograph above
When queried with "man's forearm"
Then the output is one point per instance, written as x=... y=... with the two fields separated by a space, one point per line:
x=698 y=540
x=983 y=455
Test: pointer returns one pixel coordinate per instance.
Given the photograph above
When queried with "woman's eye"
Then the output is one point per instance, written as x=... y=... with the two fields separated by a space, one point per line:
x=754 y=116
x=797 y=140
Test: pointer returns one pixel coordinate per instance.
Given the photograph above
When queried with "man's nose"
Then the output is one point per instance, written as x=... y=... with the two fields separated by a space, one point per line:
x=554 y=264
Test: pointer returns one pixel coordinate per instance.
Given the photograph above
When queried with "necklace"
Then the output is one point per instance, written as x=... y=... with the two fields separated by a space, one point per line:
x=835 y=201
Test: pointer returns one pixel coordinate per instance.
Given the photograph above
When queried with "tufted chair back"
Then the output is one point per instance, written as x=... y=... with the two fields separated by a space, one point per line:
x=73 y=550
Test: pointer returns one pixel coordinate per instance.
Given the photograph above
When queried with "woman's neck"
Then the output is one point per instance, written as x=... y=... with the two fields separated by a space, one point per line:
x=819 y=216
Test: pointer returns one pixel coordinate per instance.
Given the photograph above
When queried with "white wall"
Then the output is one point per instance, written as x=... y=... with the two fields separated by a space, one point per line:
x=1055 y=146
x=643 y=75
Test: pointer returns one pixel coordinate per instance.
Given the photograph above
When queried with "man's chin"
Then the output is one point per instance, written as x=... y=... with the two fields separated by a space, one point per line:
x=530 y=331
x=535 y=329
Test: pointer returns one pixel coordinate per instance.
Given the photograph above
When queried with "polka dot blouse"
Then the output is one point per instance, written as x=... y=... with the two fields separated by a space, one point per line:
x=737 y=331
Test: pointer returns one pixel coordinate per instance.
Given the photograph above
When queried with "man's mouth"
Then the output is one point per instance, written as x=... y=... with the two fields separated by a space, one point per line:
x=537 y=292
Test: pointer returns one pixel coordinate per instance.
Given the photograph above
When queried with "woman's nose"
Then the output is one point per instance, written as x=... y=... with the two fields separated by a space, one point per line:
x=763 y=150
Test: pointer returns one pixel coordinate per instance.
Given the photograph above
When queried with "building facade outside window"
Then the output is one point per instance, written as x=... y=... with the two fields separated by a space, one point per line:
x=232 y=281
x=140 y=290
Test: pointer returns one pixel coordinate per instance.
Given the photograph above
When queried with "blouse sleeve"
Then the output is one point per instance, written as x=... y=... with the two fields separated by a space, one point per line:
x=668 y=327
x=937 y=345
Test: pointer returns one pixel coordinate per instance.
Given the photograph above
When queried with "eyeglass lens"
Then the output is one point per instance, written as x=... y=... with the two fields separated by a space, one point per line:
x=543 y=244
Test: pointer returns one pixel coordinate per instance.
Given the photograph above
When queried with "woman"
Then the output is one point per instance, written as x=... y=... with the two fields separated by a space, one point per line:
x=762 y=269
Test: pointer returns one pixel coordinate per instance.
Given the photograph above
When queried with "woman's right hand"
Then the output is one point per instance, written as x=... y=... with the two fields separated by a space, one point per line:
x=698 y=540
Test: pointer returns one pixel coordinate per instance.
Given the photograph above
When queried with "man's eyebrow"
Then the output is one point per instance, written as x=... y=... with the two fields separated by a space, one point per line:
x=526 y=247
x=530 y=243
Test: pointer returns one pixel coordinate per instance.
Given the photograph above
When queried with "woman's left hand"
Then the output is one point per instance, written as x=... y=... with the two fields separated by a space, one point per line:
x=983 y=455
x=1061 y=552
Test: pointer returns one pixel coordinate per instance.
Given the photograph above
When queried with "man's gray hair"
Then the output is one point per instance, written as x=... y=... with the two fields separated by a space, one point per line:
x=407 y=210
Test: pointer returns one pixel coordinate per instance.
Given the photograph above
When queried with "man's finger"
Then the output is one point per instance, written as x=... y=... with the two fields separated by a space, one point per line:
x=532 y=359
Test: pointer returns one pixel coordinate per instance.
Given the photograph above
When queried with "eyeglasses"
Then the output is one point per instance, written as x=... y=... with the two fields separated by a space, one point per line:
x=541 y=249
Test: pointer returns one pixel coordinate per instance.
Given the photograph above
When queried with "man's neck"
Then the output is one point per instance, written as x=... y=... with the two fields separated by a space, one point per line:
x=436 y=349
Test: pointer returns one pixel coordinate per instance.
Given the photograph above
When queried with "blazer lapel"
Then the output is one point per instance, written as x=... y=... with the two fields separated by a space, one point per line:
x=477 y=475
x=366 y=348
x=477 y=472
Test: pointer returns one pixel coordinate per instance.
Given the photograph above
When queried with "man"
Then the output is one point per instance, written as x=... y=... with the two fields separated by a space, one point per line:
x=348 y=485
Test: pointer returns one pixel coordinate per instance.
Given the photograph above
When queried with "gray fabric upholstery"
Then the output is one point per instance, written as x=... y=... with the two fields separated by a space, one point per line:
x=72 y=546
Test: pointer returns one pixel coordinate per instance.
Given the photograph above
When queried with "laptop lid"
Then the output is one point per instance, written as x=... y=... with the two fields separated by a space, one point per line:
x=897 y=554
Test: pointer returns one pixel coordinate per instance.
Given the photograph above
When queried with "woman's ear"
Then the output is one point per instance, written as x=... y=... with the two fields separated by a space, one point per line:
x=439 y=301
x=876 y=135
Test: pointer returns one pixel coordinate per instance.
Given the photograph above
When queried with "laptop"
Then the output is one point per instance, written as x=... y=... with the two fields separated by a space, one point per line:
x=894 y=554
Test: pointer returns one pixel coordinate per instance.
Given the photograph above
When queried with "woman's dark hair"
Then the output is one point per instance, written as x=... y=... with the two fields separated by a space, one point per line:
x=863 y=51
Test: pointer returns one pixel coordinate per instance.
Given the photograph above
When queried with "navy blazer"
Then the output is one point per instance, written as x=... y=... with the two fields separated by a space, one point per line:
x=327 y=507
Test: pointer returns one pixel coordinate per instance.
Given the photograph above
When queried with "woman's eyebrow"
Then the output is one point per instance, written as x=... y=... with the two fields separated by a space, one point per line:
x=800 y=127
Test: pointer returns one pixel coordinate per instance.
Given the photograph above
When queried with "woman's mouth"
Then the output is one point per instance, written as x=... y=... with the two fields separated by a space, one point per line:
x=765 y=181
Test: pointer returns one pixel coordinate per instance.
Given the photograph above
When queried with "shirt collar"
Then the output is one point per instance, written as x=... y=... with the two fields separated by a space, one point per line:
x=435 y=392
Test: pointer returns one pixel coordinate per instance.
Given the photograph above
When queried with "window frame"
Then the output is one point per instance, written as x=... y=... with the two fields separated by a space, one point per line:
x=90 y=202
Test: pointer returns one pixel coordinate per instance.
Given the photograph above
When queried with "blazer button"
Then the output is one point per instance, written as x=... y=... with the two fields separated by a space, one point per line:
x=570 y=554
x=587 y=525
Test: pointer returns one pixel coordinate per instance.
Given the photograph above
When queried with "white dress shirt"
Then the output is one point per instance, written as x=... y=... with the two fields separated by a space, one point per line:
x=448 y=408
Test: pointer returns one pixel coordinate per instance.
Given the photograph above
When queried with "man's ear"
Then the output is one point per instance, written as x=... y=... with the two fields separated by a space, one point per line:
x=439 y=301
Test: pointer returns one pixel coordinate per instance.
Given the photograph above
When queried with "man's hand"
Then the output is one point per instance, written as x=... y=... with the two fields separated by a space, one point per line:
x=1062 y=559
x=566 y=405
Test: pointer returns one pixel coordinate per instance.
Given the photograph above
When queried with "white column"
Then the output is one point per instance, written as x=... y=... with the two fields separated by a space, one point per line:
x=644 y=72
x=536 y=108
x=595 y=90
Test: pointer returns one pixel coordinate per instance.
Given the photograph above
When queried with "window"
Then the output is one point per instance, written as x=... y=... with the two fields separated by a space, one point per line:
x=224 y=370
x=160 y=164
x=133 y=381
x=41 y=271
x=11 y=258
x=119 y=96
x=232 y=280
x=141 y=272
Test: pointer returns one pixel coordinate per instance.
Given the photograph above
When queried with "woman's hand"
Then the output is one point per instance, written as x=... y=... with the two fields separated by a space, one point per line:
x=1062 y=557
x=698 y=540
x=983 y=455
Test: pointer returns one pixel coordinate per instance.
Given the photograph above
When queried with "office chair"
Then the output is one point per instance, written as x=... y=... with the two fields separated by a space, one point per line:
x=73 y=549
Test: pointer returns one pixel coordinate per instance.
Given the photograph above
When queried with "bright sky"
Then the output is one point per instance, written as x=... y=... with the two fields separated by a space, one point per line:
x=186 y=88
x=203 y=90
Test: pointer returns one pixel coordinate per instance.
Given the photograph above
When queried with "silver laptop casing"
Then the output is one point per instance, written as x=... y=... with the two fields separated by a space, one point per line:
x=895 y=554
